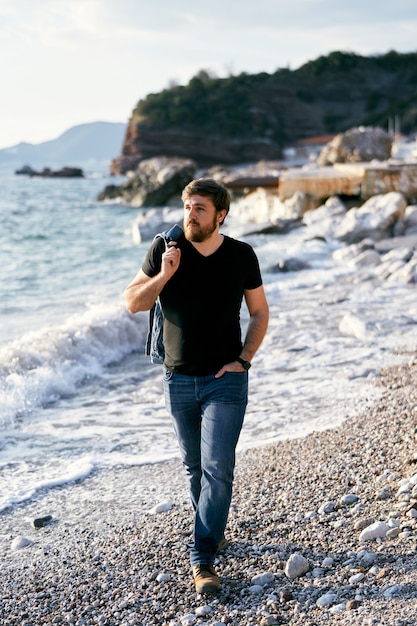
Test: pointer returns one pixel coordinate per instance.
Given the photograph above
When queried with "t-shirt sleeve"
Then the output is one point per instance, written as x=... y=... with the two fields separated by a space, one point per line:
x=253 y=273
x=152 y=262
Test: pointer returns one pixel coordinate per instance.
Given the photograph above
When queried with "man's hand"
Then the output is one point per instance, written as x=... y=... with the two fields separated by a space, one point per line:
x=143 y=291
x=170 y=260
x=234 y=366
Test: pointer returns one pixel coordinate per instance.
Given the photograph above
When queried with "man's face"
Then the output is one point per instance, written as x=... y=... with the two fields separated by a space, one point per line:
x=201 y=218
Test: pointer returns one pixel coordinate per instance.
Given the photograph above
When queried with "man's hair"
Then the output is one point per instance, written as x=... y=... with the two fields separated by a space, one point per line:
x=219 y=195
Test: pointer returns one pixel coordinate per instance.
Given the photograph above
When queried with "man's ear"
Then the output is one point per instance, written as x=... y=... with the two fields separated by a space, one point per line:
x=221 y=216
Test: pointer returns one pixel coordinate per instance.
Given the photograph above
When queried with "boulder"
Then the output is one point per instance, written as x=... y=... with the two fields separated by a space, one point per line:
x=410 y=220
x=375 y=218
x=391 y=259
x=321 y=221
x=154 y=182
x=289 y=265
x=362 y=144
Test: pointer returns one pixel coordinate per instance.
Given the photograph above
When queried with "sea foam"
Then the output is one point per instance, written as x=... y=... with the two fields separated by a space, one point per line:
x=45 y=365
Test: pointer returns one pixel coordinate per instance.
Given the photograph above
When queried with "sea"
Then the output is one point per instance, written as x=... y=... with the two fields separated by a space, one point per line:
x=79 y=397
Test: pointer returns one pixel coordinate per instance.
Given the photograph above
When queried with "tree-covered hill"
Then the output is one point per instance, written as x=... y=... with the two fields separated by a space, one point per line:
x=250 y=117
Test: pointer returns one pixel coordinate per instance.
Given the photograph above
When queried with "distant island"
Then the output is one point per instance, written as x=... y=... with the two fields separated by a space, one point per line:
x=97 y=142
x=64 y=172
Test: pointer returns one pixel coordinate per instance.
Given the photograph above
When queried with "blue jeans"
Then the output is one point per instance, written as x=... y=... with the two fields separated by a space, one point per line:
x=208 y=414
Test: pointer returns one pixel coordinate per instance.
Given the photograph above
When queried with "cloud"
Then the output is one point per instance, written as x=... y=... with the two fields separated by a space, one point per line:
x=81 y=60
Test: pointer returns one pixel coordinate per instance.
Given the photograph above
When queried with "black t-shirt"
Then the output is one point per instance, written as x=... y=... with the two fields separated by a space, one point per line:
x=201 y=304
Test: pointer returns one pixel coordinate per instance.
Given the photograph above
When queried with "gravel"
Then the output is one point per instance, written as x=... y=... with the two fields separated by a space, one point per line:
x=323 y=530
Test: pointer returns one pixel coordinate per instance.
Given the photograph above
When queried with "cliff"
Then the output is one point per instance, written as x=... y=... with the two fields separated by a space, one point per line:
x=247 y=118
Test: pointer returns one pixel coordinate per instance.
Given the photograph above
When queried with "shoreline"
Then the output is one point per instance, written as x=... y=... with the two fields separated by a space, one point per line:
x=104 y=559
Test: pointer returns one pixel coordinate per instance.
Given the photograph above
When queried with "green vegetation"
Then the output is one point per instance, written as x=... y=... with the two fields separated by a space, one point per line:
x=247 y=118
x=327 y=95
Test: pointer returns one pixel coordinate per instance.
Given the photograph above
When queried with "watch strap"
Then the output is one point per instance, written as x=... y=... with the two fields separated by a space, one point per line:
x=245 y=364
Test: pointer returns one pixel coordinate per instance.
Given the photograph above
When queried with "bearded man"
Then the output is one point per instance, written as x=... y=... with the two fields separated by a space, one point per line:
x=201 y=281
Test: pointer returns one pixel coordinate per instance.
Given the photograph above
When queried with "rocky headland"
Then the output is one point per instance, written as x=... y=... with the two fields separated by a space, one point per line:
x=248 y=118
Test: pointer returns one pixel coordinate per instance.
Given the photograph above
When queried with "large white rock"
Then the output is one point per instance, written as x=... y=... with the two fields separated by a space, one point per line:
x=296 y=566
x=21 y=542
x=373 y=219
x=374 y=531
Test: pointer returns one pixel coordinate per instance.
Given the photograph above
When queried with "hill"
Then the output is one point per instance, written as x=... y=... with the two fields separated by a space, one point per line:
x=97 y=141
x=248 y=118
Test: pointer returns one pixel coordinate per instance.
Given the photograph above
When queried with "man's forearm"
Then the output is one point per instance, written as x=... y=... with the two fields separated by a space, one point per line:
x=257 y=327
x=142 y=296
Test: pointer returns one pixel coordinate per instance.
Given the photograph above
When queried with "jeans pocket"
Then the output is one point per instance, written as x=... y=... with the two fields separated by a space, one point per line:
x=167 y=375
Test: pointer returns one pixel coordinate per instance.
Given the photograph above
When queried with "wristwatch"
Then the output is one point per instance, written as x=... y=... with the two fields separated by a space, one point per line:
x=245 y=364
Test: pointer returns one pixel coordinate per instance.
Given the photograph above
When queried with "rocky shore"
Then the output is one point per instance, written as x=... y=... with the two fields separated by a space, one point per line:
x=323 y=530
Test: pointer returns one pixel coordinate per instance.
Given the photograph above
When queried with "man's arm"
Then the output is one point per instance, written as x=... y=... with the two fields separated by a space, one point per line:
x=143 y=291
x=258 y=323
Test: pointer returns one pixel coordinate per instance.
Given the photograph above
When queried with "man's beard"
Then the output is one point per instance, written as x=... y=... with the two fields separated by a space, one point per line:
x=198 y=234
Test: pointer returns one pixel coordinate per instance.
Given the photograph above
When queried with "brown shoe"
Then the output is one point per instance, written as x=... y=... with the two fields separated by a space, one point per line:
x=205 y=578
x=225 y=543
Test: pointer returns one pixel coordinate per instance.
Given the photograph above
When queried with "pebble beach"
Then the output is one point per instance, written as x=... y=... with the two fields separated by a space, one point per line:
x=322 y=530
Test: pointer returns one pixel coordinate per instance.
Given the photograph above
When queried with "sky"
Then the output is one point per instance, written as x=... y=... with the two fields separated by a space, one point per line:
x=70 y=62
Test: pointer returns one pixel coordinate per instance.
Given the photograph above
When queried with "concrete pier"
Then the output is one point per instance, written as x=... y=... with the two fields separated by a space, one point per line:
x=362 y=180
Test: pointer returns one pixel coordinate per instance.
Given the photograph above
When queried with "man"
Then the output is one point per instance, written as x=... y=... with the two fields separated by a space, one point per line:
x=201 y=281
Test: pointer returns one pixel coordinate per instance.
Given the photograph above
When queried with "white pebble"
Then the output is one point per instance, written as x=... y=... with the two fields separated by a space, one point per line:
x=188 y=620
x=296 y=566
x=327 y=599
x=404 y=481
x=404 y=497
x=328 y=562
x=384 y=475
x=201 y=611
x=405 y=534
x=256 y=589
x=393 y=590
x=266 y=578
x=349 y=498
x=317 y=572
x=412 y=513
x=356 y=578
x=327 y=507
x=367 y=558
x=337 y=608
x=162 y=507
x=163 y=578
x=393 y=523
x=374 y=531
x=21 y=542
